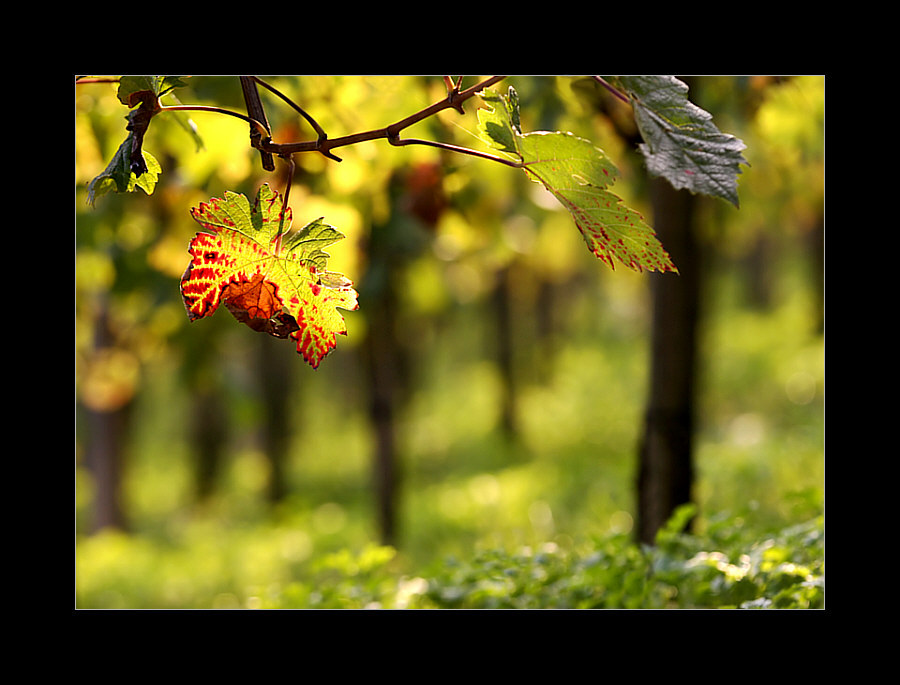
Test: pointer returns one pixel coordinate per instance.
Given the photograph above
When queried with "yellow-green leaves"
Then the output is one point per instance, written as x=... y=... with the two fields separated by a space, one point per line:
x=133 y=167
x=119 y=177
x=578 y=174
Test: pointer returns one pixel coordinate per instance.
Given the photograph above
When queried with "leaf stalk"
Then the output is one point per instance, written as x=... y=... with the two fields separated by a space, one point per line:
x=218 y=110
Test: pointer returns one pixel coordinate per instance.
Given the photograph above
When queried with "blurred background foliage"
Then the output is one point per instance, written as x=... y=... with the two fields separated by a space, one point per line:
x=492 y=382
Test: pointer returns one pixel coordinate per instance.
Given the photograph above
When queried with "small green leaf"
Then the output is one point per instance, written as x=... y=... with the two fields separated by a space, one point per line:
x=130 y=87
x=501 y=123
x=681 y=143
x=118 y=176
x=131 y=167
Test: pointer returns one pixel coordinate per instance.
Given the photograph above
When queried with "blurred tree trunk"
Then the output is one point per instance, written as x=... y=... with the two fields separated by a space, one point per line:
x=105 y=448
x=816 y=241
x=381 y=357
x=275 y=385
x=104 y=459
x=503 y=304
x=666 y=465
x=207 y=422
x=545 y=309
x=417 y=201
x=758 y=268
x=208 y=435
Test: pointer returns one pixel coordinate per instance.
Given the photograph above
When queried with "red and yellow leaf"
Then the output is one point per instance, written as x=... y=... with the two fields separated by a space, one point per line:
x=274 y=281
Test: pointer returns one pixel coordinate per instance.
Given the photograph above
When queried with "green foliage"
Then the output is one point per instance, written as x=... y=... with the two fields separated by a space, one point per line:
x=132 y=167
x=132 y=88
x=728 y=566
x=724 y=568
x=681 y=143
x=120 y=177
x=346 y=580
x=578 y=174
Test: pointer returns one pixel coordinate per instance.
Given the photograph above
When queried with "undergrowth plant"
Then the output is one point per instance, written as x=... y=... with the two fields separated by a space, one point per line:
x=726 y=567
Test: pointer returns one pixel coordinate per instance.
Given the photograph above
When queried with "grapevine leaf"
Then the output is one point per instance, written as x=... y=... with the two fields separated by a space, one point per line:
x=119 y=176
x=132 y=88
x=500 y=123
x=131 y=167
x=578 y=175
x=147 y=92
x=274 y=282
x=681 y=143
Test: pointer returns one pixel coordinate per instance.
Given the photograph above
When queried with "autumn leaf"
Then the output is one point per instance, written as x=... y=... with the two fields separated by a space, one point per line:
x=274 y=281
x=578 y=174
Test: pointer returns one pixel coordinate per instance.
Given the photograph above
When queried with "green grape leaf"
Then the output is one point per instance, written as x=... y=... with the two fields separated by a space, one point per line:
x=578 y=175
x=681 y=142
x=131 y=167
x=119 y=176
x=132 y=89
x=274 y=281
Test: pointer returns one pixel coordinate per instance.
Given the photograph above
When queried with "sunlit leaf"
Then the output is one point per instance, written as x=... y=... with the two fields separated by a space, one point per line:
x=131 y=87
x=578 y=175
x=131 y=167
x=119 y=176
x=274 y=281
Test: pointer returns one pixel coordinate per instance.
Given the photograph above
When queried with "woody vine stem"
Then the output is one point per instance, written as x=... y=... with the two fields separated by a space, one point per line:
x=260 y=136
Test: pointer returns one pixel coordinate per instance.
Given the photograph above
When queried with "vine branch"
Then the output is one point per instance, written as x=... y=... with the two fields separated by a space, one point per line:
x=312 y=122
x=255 y=111
x=454 y=100
x=260 y=136
x=263 y=131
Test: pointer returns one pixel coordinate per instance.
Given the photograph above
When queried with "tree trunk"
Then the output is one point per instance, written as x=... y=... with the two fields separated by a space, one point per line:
x=666 y=469
x=275 y=381
x=816 y=242
x=104 y=458
x=382 y=358
x=757 y=266
x=207 y=435
x=417 y=201
x=105 y=447
x=502 y=309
